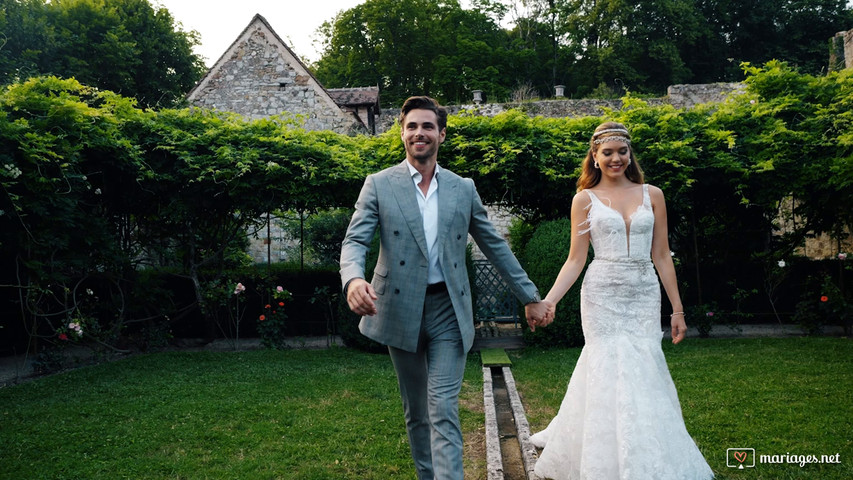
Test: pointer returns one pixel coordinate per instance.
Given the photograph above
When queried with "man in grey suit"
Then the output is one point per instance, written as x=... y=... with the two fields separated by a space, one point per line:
x=419 y=301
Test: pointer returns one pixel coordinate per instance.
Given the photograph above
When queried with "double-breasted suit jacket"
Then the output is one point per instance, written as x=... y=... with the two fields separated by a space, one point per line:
x=388 y=201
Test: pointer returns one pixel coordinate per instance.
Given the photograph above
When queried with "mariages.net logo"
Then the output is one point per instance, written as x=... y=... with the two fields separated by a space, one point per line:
x=742 y=458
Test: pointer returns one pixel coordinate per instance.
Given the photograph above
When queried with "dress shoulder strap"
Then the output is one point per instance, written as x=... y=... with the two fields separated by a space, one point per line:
x=587 y=222
x=592 y=198
x=647 y=200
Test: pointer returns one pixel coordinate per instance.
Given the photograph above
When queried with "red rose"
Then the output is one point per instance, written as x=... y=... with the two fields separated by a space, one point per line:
x=267 y=306
x=280 y=304
x=63 y=336
x=824 y=298
x=262 y=318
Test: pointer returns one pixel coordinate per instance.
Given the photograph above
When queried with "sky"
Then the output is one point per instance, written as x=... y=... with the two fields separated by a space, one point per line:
x=218 y=22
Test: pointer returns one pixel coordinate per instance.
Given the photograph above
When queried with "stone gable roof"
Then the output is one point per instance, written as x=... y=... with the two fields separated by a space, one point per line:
x=260 y=76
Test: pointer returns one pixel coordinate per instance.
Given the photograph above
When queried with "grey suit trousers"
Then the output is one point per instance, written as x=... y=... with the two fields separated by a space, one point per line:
x=430 y=380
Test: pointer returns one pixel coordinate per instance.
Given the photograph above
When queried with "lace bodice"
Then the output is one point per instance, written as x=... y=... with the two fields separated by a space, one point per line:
x=613 y=237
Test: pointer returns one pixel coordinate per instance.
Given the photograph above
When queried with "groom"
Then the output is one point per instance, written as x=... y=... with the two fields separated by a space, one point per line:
x=419 y=302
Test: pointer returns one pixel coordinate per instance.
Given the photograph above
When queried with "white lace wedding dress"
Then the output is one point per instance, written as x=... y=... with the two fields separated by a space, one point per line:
x=620 y=418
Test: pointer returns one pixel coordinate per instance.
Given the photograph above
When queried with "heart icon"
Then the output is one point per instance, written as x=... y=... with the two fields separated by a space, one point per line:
x=740 y=456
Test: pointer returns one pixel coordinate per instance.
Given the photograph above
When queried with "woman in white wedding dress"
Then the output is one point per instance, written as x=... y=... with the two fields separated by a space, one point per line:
x=620 y=418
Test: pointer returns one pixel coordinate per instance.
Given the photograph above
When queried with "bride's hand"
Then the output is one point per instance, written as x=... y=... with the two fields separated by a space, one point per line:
x=679 y=328
x=549 y=313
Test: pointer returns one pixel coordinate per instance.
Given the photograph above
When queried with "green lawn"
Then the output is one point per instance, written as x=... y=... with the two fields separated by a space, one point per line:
x=336 y=414
x=331 y=414
x=791 y=396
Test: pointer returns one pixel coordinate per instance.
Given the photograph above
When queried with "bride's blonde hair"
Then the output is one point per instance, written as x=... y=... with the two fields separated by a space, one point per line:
x=590 y=176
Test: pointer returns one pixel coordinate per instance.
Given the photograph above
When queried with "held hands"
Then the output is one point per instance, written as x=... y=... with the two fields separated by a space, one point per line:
x=361 y=297
x=540 y=314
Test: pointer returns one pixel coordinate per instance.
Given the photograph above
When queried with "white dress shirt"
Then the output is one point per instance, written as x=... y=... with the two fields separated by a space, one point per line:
x=429 y=212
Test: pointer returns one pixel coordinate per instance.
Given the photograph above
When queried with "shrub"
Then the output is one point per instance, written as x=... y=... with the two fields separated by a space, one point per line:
x=272 y=323
x=822 y=303
x=323 y=233
x=543 y=257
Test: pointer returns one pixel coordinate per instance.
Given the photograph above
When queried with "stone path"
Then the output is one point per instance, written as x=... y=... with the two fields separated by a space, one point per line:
x=498 y=335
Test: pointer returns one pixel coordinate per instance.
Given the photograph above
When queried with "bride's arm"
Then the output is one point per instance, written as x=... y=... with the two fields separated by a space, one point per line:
x=662 y=258
x=577 y=251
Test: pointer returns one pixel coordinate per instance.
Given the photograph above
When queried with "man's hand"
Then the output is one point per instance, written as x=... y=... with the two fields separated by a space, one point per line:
x=361 y=297
x=539 y=314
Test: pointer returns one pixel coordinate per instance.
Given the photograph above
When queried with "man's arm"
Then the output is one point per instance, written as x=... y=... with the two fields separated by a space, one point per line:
x=497 y=250
x=354 y=248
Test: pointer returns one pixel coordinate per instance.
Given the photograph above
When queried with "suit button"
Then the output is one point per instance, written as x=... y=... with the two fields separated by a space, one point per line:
x=458 y=236
x=396 y=290
x=397 y=233
x=454 y=265
x=402 y=262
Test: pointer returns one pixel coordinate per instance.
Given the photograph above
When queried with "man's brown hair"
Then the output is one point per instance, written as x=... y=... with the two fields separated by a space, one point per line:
x=424 y=103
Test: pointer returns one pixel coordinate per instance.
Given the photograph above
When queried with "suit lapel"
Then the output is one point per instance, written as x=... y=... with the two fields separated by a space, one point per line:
x=447 y=193
x=403 y=190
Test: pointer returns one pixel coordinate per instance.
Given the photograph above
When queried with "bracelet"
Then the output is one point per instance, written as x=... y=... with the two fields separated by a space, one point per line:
x=676 y=313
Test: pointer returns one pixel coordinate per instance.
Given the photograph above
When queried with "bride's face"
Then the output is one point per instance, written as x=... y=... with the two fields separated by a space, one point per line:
x=613 y=158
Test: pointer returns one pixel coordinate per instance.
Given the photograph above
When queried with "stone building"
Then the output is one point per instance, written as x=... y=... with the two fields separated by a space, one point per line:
x=259 y=76
x=841 y=54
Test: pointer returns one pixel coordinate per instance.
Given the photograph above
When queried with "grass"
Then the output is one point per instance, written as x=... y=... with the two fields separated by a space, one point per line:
x=780 y=396
x=336 y=414
x=331 y=414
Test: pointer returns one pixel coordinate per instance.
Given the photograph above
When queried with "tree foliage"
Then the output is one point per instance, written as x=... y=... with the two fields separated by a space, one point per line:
x=125 y=46
x=593 y=47
x=431 y=47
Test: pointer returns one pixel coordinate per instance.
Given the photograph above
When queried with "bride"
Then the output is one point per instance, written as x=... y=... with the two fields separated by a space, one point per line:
x=620 y=418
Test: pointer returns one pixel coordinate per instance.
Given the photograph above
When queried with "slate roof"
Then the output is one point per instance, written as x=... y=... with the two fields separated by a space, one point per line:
x=361 y=96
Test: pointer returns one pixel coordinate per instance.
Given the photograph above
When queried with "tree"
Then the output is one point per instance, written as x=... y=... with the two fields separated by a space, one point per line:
x=125 y=46
x=756 y=31
x=637 y=46
x=413 y=47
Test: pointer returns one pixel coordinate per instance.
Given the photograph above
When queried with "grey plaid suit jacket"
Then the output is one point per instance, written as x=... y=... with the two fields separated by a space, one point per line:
x=387 y=200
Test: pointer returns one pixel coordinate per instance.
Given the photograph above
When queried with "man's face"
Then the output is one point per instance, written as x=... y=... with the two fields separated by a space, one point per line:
x=421 y=135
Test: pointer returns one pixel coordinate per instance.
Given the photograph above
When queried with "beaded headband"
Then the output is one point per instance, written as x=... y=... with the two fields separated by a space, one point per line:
x=614 y=138
x=611 y=130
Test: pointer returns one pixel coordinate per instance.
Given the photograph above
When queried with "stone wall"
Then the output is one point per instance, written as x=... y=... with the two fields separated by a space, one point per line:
x=688 y=96
x=680 y=96
x=848 y=49
x=842 y=46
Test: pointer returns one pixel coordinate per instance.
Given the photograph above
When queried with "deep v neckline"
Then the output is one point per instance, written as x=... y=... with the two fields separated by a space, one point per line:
x=626 y=222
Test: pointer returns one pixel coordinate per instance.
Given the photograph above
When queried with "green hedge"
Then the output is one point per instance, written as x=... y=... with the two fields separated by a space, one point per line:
x=94 y=189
